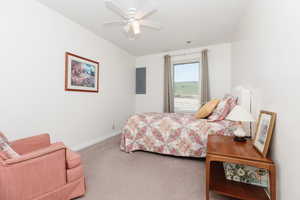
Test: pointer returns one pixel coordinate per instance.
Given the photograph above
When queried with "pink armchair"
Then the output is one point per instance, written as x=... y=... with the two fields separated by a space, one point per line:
x=44 y=171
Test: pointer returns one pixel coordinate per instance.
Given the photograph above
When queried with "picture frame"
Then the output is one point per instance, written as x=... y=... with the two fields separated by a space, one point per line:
x=81 y=74
x=264 y=131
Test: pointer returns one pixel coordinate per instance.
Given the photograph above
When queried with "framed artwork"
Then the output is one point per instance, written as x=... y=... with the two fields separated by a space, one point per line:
x=264 y=131
x=81 y=74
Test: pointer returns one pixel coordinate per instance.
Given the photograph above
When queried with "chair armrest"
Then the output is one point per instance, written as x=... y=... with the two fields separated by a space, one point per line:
x=35 y=154
x=33 y=174
x=30 y=144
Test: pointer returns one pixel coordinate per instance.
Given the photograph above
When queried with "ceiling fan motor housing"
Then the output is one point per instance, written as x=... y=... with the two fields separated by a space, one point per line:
x=132 y=13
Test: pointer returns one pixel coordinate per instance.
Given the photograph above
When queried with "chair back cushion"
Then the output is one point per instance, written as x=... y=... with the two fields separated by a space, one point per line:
x=6 y=152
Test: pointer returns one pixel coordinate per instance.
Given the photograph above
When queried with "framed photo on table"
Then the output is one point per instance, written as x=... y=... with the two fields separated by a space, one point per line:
x=81 y=74
x=264 y=131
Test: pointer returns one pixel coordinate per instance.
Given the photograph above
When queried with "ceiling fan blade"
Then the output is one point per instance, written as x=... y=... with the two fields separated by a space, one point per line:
x=150 y=24
x=146 y=13
x=111 y=23
x=116 y=8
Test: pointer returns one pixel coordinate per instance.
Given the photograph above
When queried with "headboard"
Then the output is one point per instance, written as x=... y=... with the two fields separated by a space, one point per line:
x=245 y=100
x=244 y=97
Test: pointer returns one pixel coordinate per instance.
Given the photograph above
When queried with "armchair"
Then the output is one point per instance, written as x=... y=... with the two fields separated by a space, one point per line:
x=44 y=171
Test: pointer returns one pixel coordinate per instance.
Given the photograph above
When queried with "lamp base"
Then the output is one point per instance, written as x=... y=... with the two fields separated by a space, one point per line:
x=239 y=139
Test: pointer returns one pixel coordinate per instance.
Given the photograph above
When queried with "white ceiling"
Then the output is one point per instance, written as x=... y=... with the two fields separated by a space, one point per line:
x=203 y=22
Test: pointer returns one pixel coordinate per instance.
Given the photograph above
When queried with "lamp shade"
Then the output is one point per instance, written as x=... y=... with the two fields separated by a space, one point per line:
x=240 y=114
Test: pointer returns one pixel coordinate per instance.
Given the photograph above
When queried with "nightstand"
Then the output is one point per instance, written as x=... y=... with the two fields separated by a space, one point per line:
x=223 y=149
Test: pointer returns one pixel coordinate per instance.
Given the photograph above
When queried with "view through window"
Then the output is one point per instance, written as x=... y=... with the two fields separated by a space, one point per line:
x=186 y=87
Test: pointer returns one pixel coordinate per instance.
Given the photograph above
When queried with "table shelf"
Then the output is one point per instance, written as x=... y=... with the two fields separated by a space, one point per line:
x=221 y=185
x=224 y=149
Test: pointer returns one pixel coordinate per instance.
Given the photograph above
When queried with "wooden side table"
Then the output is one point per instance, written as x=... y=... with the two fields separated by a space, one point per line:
x=223 y=149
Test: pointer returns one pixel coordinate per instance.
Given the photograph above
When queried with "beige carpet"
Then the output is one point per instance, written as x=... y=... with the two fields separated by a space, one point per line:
x=114 y=175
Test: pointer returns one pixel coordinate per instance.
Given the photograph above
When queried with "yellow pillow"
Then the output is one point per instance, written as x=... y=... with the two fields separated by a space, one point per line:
x=207 y=109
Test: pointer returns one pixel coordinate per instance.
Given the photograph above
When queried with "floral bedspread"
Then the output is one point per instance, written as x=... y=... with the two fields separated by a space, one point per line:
x=171 y=133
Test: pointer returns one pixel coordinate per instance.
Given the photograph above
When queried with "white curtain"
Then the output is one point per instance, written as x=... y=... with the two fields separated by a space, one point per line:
x=205 y=91
x=168 y=85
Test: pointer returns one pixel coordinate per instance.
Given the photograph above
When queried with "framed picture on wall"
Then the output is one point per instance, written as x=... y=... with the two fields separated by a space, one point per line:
x=81 y=74
x=264 y=131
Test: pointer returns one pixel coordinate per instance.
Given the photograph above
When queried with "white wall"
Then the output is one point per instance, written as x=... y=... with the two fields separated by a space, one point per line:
x=265 y=58
x=33 y=42
x=219 y=65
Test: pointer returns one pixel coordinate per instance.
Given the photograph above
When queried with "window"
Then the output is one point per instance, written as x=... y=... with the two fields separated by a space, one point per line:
x=186 y=87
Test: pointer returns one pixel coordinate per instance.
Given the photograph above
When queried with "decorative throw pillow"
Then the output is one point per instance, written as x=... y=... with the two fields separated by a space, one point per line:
x=232 y=101
x=223 y=108
x=3 y=138
x=207 y=109
x=6 y=151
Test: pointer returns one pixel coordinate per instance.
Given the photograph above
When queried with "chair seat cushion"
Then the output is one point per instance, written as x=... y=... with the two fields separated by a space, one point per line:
x=73 y=159
x=74 y=174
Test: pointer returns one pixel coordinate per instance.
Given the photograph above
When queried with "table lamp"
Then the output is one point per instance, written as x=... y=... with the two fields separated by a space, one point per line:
x=239 y=114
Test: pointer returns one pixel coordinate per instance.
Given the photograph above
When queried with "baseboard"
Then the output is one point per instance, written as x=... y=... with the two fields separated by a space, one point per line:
x=94 y=141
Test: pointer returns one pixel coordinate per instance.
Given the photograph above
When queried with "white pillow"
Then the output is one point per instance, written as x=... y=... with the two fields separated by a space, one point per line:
x=6 y=149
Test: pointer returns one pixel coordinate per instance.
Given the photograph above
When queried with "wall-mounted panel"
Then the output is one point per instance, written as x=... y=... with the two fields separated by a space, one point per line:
x=140 y=83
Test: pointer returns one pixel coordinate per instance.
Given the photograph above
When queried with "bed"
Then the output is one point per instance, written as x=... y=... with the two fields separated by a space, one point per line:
x=176 y=134
x=171 y=133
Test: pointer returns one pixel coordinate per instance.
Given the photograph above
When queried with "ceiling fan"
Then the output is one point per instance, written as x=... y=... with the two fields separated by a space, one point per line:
x=132 y=19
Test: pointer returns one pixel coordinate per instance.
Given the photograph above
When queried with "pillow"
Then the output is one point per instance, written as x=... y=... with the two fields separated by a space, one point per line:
x=3 y=138
x=207 y=109
x=6 y=151
x=232 y=101
x=223 y=108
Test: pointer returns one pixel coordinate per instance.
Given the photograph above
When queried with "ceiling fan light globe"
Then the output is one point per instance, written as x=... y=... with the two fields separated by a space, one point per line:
x=136 y=27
